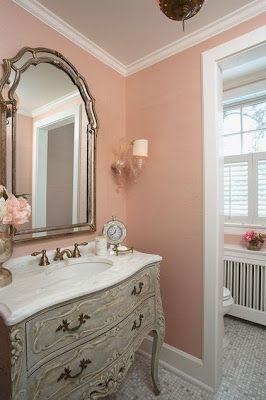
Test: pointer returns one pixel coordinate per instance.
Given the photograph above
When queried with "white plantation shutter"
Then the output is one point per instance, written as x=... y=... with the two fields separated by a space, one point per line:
x=262 y=188
x=236 y=188
x=259 y=166
x=245 y=188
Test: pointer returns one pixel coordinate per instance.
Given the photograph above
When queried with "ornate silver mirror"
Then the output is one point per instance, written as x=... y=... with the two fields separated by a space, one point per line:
x=48 y=141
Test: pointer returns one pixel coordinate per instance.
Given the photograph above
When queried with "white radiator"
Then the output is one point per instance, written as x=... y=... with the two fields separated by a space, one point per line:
x=245 y=276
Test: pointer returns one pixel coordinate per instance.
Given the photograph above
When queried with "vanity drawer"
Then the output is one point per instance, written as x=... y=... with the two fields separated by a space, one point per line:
x=72 y=371
x=57 y=328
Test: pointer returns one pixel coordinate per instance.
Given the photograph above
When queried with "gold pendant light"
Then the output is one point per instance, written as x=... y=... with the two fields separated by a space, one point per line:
x=180 y=10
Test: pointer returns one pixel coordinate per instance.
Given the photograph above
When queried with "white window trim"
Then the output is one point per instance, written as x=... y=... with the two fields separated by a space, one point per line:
x=235 y=227
x=244 y=102
x=240 y=229
x=211 y=371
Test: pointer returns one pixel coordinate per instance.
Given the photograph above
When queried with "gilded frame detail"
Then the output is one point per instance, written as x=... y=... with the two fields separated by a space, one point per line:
x=12 y=69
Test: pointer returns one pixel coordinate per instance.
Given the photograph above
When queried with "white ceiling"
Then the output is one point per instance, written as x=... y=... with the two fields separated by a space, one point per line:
x=127 y=31
x=132 y=29
x=41 y=85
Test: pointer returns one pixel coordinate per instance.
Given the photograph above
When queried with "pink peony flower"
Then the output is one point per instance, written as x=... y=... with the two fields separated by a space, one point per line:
x=17 y=211
x=249 y=236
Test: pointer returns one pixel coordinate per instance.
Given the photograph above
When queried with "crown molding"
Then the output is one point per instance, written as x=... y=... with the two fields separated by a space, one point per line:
x=24 y=112
x=62 y=27
x=49 y=106
x=55 y=103
x=229 y=21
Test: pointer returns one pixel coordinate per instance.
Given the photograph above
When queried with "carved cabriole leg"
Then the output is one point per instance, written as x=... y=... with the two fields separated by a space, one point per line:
x=18 y=362
x=156 y=347
x=158 y=336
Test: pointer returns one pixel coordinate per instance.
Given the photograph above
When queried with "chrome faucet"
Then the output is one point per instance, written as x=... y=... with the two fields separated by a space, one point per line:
x=59 y=255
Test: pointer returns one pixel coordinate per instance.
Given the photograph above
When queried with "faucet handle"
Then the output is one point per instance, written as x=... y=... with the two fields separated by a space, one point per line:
x=76 y=252
x=57 y=255
x=44 y=259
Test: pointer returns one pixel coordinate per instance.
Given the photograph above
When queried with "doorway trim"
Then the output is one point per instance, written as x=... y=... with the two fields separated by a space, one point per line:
x=213 y=198
x=40 y=131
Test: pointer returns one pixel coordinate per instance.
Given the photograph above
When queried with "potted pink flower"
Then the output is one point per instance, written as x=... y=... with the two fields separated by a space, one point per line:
x=14 y=210
x=255 y=240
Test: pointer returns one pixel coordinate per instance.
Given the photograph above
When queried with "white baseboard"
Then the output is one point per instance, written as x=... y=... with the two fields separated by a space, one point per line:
x=259 y=317
x=178 y=362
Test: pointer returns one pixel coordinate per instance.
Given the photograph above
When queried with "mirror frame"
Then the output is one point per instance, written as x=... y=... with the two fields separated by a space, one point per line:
x=8 y=108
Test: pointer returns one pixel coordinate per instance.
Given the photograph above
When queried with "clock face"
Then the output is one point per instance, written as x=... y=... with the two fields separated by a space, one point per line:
x=115 y=231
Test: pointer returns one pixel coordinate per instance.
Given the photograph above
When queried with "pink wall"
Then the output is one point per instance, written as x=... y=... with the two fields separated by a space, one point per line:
x=18 y=29
x=165 y=207
x=24 y=158
x=233 y=239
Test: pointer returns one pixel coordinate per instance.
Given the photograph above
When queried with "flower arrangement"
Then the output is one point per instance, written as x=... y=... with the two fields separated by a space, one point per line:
x=255 y=240
x=14 y=209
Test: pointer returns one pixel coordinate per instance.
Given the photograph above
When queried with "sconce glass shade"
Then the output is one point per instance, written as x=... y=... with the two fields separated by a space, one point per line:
x=140 y=148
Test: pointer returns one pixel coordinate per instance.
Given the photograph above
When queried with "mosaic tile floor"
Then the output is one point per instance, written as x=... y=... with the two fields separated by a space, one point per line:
x=244 y=371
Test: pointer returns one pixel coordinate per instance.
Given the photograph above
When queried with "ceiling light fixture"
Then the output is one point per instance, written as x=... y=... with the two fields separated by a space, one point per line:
x=180 y=10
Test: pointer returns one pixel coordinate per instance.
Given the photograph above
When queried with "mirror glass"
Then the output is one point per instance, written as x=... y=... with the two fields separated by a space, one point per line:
x=51 y=158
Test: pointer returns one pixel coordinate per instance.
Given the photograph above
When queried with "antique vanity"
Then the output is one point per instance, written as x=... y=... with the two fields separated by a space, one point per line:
x=69 y=329
x=75 y=337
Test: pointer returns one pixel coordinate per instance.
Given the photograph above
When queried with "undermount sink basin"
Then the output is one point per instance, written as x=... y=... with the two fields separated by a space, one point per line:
x=78 y=268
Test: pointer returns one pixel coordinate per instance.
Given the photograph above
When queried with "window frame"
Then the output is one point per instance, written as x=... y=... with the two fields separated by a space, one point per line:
x=241 y=104
x=236 y=225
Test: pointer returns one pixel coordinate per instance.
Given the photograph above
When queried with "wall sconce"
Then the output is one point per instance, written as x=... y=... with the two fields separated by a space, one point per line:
x=130 y=159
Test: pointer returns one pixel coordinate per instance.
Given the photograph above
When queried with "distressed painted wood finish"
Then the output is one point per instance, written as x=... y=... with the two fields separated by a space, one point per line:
x=100 y=353
x=46 y=333
x=93 y=364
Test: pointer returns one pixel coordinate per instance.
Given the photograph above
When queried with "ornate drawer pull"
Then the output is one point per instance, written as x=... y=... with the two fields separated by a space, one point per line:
x=67 y=372
x=135 y=291
x=136 y=325
x=65 y=325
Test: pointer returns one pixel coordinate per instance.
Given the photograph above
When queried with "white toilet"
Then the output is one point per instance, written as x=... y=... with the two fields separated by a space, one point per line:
x=228 y=301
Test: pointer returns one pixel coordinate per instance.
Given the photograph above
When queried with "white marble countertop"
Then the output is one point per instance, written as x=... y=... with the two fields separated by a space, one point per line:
x=35 y=288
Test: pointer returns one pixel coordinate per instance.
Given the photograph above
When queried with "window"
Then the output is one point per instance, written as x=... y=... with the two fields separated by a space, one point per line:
x=245 y=163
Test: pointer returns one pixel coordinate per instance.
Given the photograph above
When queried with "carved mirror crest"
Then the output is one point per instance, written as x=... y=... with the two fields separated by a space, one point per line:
x=48 y=142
